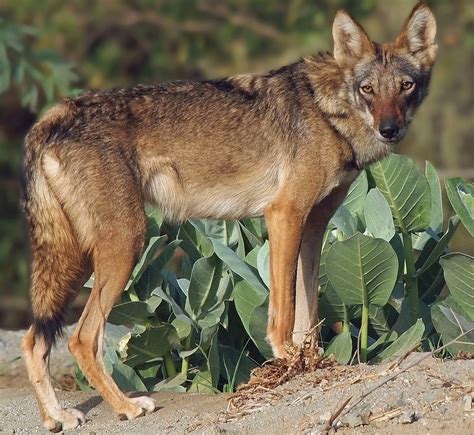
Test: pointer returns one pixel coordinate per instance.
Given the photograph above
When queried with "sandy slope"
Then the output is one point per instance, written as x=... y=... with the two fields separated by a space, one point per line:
x=430 y=398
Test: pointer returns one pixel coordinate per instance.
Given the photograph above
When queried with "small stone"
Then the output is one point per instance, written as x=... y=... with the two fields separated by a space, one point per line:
x=407 y=417
x=324 y=418
x=467 y=403
x=352 y=420
x=364 y=415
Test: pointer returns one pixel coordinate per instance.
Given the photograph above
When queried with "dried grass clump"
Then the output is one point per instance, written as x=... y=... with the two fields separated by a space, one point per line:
x=260 y=389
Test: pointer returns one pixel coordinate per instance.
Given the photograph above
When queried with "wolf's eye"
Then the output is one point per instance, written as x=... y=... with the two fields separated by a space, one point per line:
x=407 y=85
x=367 y=89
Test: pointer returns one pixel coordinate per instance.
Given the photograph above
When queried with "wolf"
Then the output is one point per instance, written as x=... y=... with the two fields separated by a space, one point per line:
x=285 y=145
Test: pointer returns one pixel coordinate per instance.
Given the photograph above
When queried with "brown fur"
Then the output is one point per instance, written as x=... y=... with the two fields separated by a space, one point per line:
x=286 y=144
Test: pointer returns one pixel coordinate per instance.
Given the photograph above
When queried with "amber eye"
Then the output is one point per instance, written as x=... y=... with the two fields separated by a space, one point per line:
x=367 y=89
x=406 y=85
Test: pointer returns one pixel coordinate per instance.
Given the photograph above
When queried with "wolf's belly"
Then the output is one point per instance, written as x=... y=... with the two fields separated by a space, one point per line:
x=245 y=195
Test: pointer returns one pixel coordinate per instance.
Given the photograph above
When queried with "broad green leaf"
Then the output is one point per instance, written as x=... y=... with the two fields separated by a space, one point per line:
x=153 y=275
x=331 y=307
x=177 y=310
x=256 y=226
x=151 y=344
x=207 y=377
x=354 y=201
x=404 y=320
x=381 y=343
x=450 y=321
x=436 y=222
x=205 y=279
x=253 y=314
x=130 y=313
x=173 y=384
x=440 y=247
x=459 y=275
x=378 y=218
x=211 y=317
x=126 y=378
x=225 y=231
x=155 y=219
x=341 y=347
x=182 y=328
x=213 y=362
x=147 y=257
x=252 y=238
x=193 y=243
x=239 y=267
x=110 y=358
x=202 y=382
x=252 y=257
x=263 y=263
x=116 y=336
x=406 y=190
x=344 y=221
x=407 y=341
x=461 y=196
x=381 y=318
x=362 y=268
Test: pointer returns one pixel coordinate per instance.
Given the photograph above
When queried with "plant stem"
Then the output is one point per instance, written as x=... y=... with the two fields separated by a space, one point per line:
x=364 y=332
x=346 y=326
x=185 y=361
x=411 y=280
x=169 y=365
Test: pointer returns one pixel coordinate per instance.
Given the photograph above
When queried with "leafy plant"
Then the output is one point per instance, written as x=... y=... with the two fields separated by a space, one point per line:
x=40 y=73
x=194 y=313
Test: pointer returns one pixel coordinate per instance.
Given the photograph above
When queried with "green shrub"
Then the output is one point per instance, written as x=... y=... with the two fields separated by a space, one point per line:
x=199 y=323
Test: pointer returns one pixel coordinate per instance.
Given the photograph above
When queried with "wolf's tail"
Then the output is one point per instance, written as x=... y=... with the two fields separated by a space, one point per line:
x=57 y=261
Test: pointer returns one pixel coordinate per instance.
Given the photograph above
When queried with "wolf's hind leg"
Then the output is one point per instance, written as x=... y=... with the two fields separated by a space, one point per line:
x=52 y=289
x=114 y=258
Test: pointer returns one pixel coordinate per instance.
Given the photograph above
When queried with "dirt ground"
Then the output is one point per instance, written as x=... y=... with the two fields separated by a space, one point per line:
x=433 y=397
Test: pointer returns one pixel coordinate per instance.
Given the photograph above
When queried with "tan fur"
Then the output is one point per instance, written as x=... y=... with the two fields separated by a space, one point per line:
x=286 y=144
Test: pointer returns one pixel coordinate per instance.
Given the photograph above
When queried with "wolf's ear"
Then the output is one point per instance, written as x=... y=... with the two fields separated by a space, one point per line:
x=418 y=34
x=350 y=40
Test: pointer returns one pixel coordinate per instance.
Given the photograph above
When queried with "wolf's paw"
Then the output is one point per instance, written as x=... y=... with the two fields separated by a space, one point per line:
x=66 y=419
x=140 y=406
x=145 y=402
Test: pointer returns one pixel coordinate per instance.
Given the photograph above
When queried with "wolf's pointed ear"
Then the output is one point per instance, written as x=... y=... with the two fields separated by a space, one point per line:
x=350 y=40
x=418 y=34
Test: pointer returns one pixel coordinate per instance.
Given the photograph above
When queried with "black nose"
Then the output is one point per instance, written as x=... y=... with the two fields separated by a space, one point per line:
x=389 y=129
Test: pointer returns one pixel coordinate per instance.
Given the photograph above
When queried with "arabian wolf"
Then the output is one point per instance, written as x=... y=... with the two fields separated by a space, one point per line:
x=285 y=145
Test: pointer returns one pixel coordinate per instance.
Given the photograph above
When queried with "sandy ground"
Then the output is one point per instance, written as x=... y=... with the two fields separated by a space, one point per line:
x=433 y=397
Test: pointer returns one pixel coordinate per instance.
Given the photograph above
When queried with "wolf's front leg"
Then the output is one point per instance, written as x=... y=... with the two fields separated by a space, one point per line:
x=285 y=224
x=307 y=288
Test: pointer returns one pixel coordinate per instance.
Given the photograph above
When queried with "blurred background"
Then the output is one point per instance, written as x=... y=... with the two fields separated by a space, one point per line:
x=52 y=48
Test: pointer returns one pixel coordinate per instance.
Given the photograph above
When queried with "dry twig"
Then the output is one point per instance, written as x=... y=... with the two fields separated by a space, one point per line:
x=338 y=411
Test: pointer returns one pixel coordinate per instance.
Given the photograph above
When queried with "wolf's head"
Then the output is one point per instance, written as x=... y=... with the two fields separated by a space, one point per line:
x=387 y=82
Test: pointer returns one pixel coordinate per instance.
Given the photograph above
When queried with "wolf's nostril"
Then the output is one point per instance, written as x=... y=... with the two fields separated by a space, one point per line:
x=388 y=129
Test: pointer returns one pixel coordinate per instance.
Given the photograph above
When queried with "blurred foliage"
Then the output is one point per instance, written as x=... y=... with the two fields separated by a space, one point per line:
x=121 y=43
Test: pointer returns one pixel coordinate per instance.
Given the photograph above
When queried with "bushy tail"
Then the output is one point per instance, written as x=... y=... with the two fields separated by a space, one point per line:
x=57 y=263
